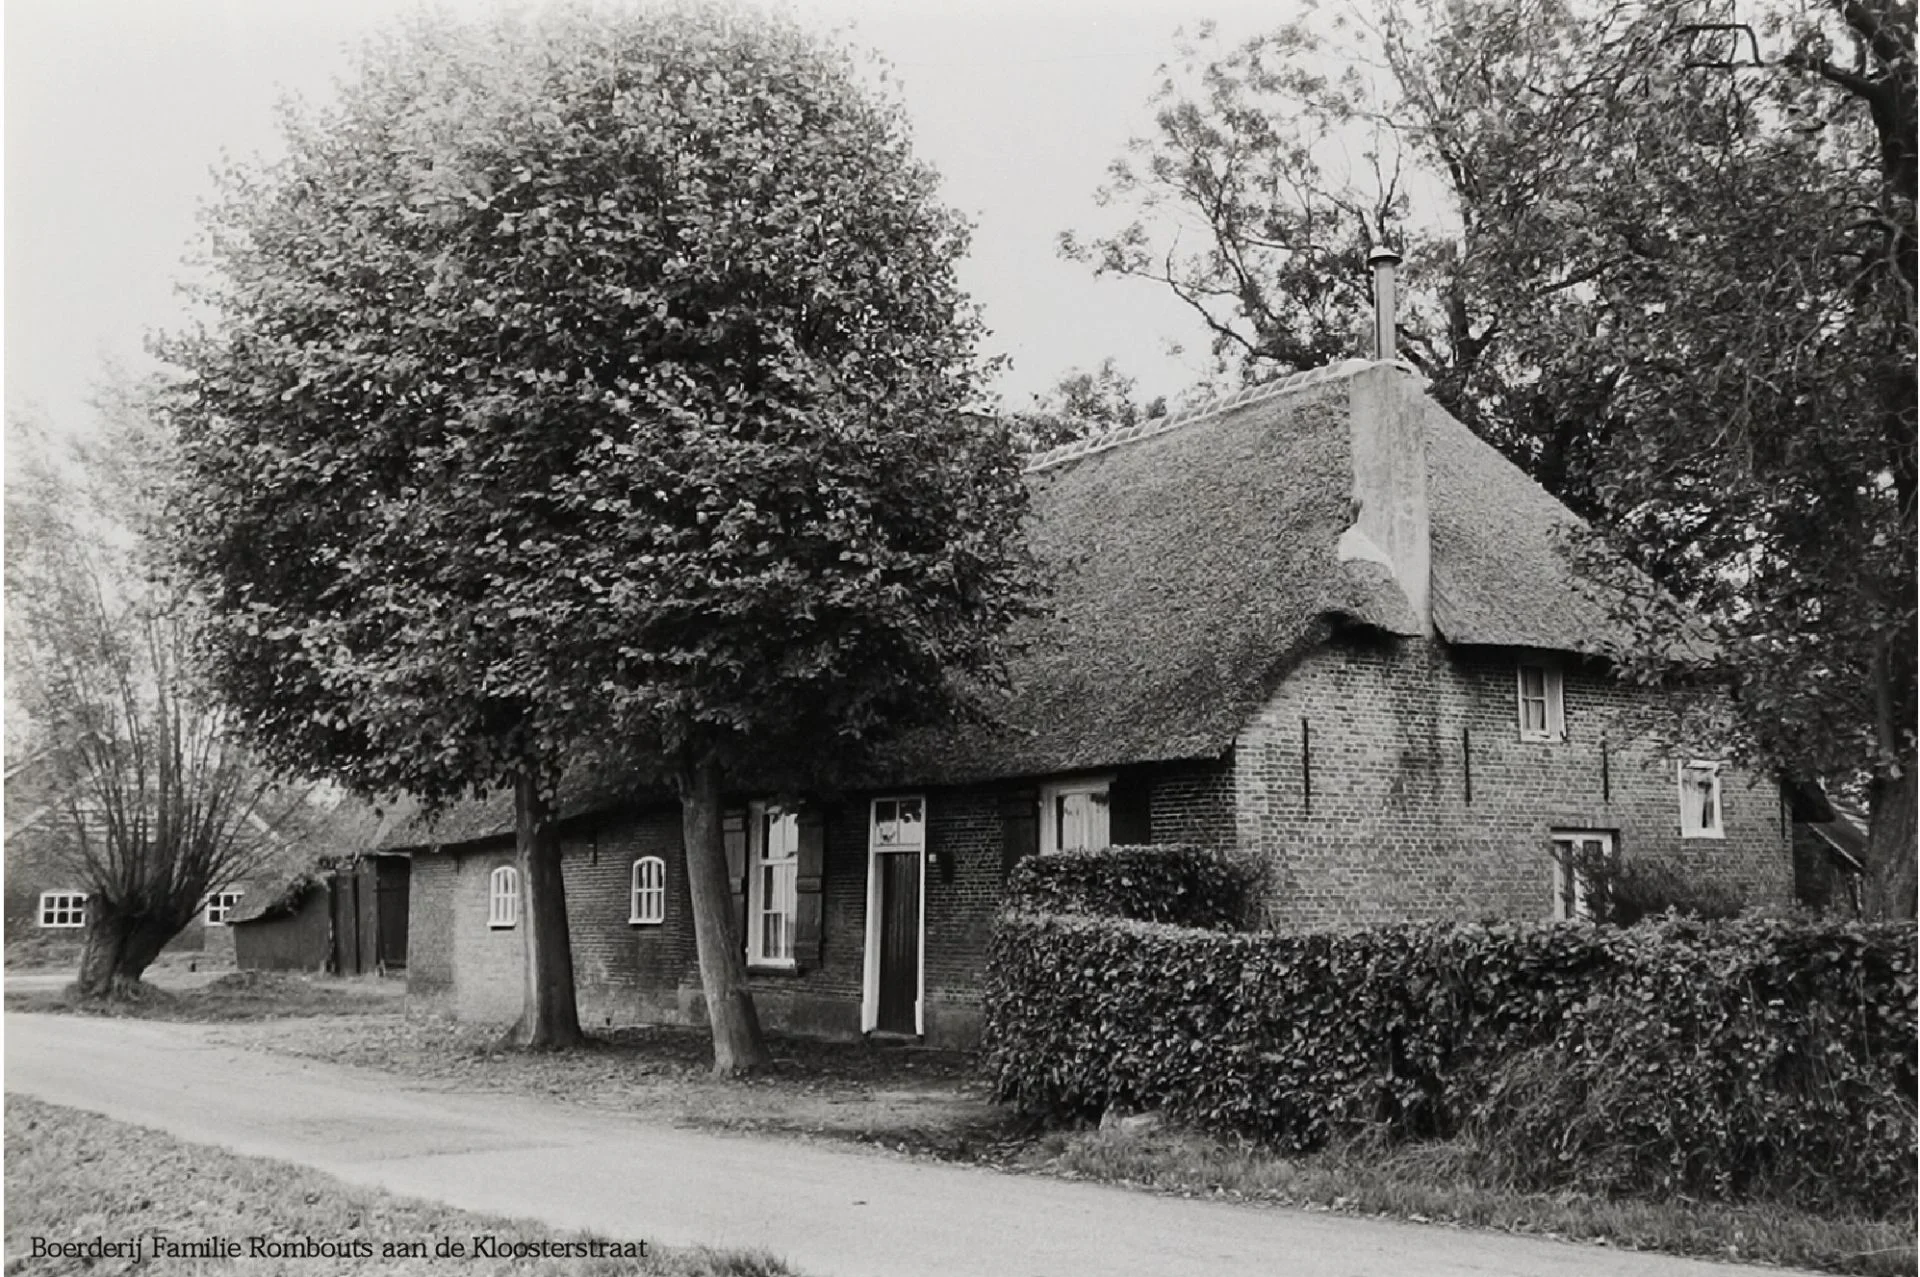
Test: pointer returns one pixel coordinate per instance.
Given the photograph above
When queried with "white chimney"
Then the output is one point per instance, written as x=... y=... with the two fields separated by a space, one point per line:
x=1383 y=261
x=1388 y=414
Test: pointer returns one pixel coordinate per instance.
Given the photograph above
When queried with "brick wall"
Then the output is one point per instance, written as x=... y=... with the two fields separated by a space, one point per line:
x=1192 y=803
x=487 y=962
x=1389 y=832
x=628 y=974
x=430 y=911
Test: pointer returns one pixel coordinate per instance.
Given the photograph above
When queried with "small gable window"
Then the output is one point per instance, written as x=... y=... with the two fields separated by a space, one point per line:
x=1073 y=816
x=220 y=907
x=503 y=897
x=1542 y=699
x=63 y=909
x=1700 y=812
x=649 y=906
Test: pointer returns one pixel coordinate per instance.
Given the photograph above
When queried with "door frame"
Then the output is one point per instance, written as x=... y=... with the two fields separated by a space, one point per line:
x=870 y=976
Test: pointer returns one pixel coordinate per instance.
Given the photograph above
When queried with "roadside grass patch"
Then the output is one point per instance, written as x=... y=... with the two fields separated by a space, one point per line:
x=238 y=995
x=907 y=1100
x=74 y=1176
x=1451 y=1182
x=930 y=1103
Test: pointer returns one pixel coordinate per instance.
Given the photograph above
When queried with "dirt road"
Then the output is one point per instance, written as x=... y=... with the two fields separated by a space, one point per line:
x=830 y=1211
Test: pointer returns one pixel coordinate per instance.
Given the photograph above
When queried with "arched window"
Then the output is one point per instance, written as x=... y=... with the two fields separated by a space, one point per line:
x=649 y=890
x=503 y=897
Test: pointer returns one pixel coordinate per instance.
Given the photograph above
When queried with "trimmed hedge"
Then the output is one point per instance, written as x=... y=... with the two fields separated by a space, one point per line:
x=1750 y=1058
x=1187 y=885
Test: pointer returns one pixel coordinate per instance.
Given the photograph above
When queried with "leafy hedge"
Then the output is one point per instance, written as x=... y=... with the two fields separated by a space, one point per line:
x=1191 y=886
x=1751 y=1058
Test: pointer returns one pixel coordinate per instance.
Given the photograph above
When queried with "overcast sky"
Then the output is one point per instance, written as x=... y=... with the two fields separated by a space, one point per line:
x=116 y=110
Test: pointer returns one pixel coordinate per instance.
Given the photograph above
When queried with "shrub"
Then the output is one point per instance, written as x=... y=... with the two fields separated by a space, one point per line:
x=1624 y=892
x=1796 y=1041
x=1766 y=1058
x=1191 y=886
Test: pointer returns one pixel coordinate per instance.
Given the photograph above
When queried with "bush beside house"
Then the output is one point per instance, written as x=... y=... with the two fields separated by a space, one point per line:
x=1190 y=886
x=1754 y=1058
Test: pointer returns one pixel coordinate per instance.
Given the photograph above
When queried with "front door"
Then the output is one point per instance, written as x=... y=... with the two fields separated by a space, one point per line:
x=896 y=915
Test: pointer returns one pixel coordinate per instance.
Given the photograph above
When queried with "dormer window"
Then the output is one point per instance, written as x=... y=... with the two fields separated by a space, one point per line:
x=1073 y=815
x=1542 y=703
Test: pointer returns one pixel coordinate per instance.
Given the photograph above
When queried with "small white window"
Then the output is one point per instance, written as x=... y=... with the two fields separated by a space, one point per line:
x=63 y=908
x=773 y=866
x=1700 y=800
x=649 y=891
x=220 y=907
x=1576 y=852
x=1073 y=815
x=1543 y=714
x=503 y=897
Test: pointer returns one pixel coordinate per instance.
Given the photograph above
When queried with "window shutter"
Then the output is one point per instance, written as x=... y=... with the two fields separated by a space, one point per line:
x=1127 y=815
x=1019 y=828
x=733 y=834
x=1556 y=704
x=809 y=894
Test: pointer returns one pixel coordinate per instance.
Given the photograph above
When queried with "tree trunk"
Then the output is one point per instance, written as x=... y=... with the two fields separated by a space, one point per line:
x=737 y=1044
x=1888 y=894
x=119 y=949
x=549 y=1016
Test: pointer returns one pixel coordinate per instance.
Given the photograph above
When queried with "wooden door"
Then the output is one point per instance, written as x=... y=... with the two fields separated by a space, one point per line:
x=899 y=975
x=392 y=880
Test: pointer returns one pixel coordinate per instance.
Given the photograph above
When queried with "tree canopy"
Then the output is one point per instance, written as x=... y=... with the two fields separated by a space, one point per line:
x=588 y=385
x=1663 y=259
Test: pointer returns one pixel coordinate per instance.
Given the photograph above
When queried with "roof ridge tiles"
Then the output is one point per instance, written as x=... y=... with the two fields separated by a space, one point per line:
x=1146 y=429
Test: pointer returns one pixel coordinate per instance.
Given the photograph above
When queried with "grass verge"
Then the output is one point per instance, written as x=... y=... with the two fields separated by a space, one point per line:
x=1446 y=1183
x=72 y=1177
x=931 y=1104
x=238 y=995
x=916 y=1101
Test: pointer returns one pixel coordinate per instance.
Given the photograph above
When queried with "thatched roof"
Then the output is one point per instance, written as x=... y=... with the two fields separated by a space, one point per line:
x=1501 y=574
x=316 y=837
x=414 y=827
x=1195 y=559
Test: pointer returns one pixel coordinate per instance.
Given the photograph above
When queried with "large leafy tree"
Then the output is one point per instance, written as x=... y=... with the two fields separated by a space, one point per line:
x=1662 y=259
x=151 y=803
x=588 y=388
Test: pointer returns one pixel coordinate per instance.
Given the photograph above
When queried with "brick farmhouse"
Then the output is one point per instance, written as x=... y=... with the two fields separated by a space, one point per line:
x=1319 y=621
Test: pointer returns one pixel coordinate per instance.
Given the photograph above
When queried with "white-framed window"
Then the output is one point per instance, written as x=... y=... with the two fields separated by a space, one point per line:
x=1575 y=852
x=649 y=891
x=1073 y=815
x=1700 y=813
x=503 y=897
x=63 y=908
x=773 y=865
x=220 y=906
x=1542 y=702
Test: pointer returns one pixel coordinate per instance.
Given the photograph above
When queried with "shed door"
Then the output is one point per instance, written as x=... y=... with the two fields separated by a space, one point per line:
x=392 y=882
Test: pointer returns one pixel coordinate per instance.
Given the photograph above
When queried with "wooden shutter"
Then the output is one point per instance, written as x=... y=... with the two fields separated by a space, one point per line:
x=1019 y=828
x=809 y=894
x=1127 y=817
x=733 y=833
